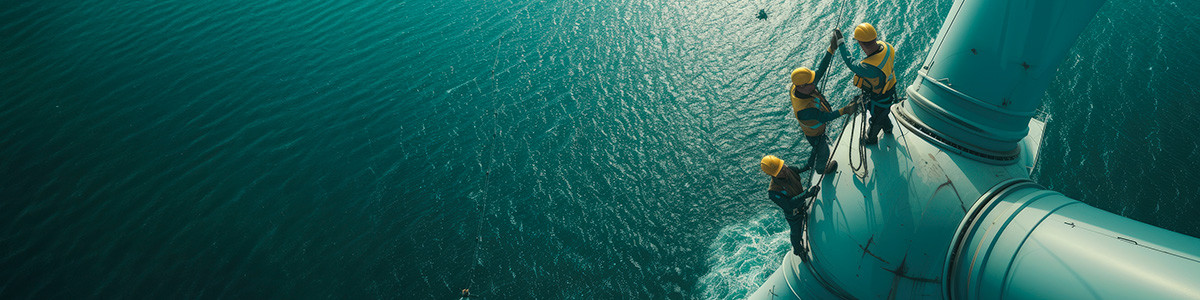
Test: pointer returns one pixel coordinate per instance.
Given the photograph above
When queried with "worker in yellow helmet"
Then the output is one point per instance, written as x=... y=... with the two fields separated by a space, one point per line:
x=812 y=110
x=787 y=191
x=874 y=76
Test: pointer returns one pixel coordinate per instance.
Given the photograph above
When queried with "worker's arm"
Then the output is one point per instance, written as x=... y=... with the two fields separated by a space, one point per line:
x=802 y=201
x=820 y=116
x=779 y=197
x=796 y=206
x=835 y=40
x=824 y=65
x=860 y=69
x=789 y=205
x=812 y=192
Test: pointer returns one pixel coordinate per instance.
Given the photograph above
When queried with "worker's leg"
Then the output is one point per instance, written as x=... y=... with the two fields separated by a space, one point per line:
x=885 y=123
x=820 y=152
x=879 y=121
x=809 y=164
x=797 y=235
x=878 y=116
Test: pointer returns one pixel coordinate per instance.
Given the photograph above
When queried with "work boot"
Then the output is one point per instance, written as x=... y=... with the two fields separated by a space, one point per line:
x=804 y=169
x=830 y=167
x=801 y=251
x=870 y=140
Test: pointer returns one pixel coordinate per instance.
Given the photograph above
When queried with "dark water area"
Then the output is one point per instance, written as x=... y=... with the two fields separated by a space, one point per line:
x=524 y=149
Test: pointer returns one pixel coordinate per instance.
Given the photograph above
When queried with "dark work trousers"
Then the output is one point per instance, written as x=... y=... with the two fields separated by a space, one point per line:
x=795 y=211
x=820 y=152
x=796 y=223
x=879 y=117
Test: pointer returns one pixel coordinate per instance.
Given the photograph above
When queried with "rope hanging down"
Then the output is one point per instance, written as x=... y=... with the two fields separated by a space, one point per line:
x=861 y=169
x=863 y=127
x=482 y=210
x=824 y=79
x=482 y=204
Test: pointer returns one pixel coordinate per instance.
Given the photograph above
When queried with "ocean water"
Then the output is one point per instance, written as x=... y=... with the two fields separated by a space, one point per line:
x=525 y=149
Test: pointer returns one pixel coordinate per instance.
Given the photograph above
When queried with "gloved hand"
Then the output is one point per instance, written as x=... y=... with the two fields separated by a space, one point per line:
x=835 y=40
x=803 y=197
x=849 y=108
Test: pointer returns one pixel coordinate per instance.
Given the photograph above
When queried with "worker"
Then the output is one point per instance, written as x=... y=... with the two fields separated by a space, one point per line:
x=466 y=294
x=812 y=110
x=787 y=191
x=874 y=76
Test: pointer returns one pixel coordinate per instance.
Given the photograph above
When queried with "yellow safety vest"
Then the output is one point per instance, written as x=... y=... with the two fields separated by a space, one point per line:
x=884 y=61
x=810 y=127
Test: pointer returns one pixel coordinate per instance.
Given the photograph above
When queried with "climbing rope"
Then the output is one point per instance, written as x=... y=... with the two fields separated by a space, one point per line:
x=863 y=128
x=844 y=16
x=833 y=151
x=810 y=261
x=482 y=204
x=841 y=19
x=482 y=207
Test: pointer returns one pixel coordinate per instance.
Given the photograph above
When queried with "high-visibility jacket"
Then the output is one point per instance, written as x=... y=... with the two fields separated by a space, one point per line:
x=810 y=127
x=882 y=60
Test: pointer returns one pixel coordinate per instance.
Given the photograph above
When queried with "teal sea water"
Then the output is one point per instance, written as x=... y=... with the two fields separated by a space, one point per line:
x=525 y=149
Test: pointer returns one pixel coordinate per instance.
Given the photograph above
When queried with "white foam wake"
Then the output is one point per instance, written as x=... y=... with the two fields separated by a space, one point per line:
x=743 y=255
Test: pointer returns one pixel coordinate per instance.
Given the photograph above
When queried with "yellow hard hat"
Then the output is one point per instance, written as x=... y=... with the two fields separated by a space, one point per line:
x=771 y=165
x=864 y=32
x=802 y=76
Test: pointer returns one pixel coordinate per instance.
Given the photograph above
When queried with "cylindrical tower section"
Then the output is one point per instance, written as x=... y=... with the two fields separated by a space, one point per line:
x=989 y=67
x=1021 y=241
x=794 y=280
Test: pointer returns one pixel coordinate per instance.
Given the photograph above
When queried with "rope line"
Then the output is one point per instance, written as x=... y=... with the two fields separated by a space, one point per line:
x=841 y=20
x=863 y=128
x=482 y=204
x=490 y=148
x=942 y=42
